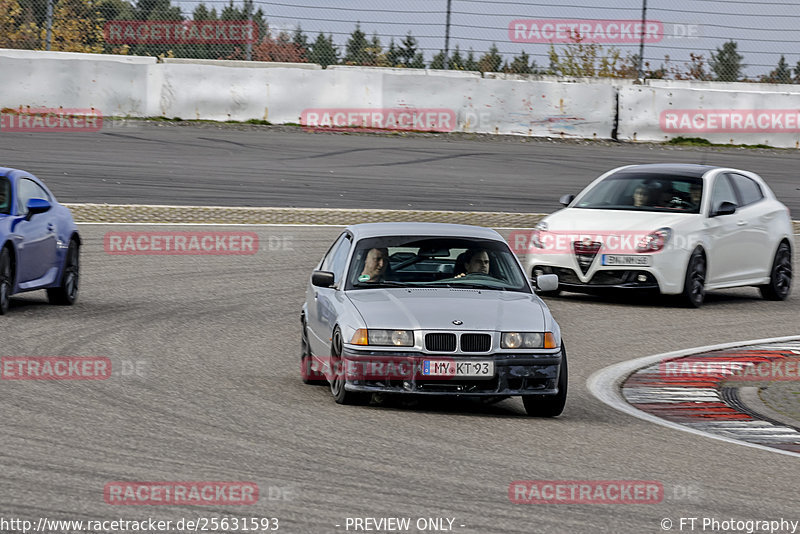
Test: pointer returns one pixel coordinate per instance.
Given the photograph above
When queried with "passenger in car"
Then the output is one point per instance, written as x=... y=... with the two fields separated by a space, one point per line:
x=695 y=194
x=641 y=196
x=375 y=265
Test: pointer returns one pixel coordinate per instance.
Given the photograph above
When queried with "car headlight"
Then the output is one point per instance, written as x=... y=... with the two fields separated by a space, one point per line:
x=385 y=338
x=527 y=340
x=537 y=235
x=655 y=241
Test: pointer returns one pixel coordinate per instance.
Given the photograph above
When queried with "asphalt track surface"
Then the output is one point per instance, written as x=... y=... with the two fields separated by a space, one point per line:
x=217 y=397
x=230 y=165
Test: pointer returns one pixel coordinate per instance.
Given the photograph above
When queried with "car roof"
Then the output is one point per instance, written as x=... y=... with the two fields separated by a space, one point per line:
x=689 y=170
x=13 y=174
x=6 y=171
x=365 y=230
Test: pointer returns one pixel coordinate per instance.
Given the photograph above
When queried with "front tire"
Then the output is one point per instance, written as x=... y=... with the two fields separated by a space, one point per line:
x=308 y=373
x=67 y=293
x=780 y=279
x=6 y=280
x=694 y=285
x=340 y=394
x=550 y=405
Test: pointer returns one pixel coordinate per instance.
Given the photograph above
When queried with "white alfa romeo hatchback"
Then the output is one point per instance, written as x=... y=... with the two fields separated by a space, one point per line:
x=676 y=229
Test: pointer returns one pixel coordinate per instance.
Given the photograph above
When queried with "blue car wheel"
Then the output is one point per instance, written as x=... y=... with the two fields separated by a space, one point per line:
x=6 y=280
x=67 y=293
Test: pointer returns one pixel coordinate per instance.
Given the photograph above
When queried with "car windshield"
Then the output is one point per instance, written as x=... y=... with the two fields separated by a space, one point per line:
x=645 y=192
x=422 y=261
x=5 y=196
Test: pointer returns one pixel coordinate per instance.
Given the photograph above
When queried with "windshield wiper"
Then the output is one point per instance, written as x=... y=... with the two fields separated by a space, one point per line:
x=385 y=283
x=460 y=285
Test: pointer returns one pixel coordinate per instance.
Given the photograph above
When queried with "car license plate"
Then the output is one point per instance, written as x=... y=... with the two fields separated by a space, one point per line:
x=458 y=368
x=626 y=259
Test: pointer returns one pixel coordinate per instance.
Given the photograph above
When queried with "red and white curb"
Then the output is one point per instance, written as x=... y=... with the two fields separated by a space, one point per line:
x=657 y=389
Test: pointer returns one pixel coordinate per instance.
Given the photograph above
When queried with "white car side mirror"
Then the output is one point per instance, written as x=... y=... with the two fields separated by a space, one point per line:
x=547 y=282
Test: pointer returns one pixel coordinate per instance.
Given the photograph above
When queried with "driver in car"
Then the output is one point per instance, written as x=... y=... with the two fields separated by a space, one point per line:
x=375 y=265
x=476 y=261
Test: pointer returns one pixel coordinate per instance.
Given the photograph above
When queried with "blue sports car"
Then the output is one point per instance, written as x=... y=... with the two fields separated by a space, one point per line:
x=39 y=241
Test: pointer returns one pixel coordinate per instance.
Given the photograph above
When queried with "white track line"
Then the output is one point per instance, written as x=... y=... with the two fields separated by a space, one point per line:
x=605 y=384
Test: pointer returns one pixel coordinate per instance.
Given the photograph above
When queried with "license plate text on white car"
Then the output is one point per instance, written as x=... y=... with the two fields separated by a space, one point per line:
x=626 y=259
x=458 y=368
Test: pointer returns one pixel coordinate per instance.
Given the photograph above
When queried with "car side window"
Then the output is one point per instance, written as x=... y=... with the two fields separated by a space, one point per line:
x=339 y=260
x=722 y=192
x=5 y=196
x=749 y=191
x=29 y=189
x=326 y=261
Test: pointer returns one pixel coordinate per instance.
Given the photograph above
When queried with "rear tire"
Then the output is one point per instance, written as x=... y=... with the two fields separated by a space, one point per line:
x=550 y=405
x=694 y=285
x=780 y=277
x=67 y=293
x=6 y=280
x=340 y=394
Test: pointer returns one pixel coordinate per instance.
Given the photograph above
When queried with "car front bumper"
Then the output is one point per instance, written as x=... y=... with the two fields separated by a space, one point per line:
x=514 y=374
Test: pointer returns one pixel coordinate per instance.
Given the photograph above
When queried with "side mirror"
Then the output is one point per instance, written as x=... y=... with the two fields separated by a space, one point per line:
x=566 y=200
x=322 y=279
x=547 y=282
x=726 y=208
x=37 y=205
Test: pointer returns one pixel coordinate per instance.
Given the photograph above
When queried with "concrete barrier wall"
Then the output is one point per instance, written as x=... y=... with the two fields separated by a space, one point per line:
x=114 y=85
x=724 y=117
x=282 y=93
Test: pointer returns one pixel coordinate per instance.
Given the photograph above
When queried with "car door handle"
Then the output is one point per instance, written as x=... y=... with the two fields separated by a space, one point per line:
x=741 y=223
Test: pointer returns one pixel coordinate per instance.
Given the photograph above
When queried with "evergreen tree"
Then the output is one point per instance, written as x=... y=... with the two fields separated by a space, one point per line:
x=781 y=74
x=470 y=63
x=393 y=54
x=356 y=48
x=491 y=61
x=727 y=63
x=456 y=61
x=373 y=52
x=522 y=64
x=300 y=41
x=323 y=51
x=408 y=50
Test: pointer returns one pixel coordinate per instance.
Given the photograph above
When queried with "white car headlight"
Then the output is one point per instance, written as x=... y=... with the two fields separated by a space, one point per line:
x=527 y=340
x=536 y=236
x=385 y=338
